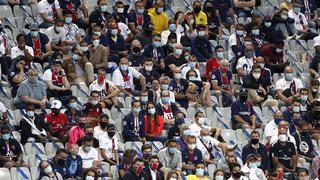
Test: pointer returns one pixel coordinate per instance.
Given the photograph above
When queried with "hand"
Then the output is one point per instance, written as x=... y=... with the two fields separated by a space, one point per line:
x=86 y=20
x=287 y=63
x=62 y=72
x=144 y=140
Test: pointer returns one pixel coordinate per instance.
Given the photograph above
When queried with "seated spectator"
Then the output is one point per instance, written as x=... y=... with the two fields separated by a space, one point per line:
x=242 y=113
x=245 y=63
x=31 y=91
x=18 y=73
x=136 y=171
x=236 y=45
x=200 y=123
x=124 y=30
x=22 y=49
x=312 y=118
x=302 y=174
x=214 y=62
x=74 y=162
x=146 y=36
x=78 y=68
x=98 y=53
x=251 y=170
x=257 y=38
x=57 y=82
x=172 y=40
x=192 y=64
x=200 y=16
x=225 y=162
x=313 y=91
x=244 y=8
x=199 y=167
x=164 y=86
x=266 y=74
x=133 y=124
x=97 y=30
x=177 y=130
x=40 y=44
x=170 y=157
x=158 y=17
x=47 y=172
x=109 y=147
x=167 y=109
x=33 y=128
x=10 y=157
x=107 y=90
x=174 y=60
x=119 y=12
x=129 y=156
x=255 y=147
x=284 y=24
x=313 y=67
x=288 y=87
x=57 y=36
x=136 y=57
x=91 y=174
x=77 y=131
x=200 y=45
x=58 y=121
x=48 y=12
x=236 y=173
x=284 y=153
x=101 y=130
x=155 y=51
x=287 y=4
x=223 y=84
x=191 y=156
x=315 y=165
x=283 y=126
x=93 y=108
x=79 y=12
x=273 y=57
x=72 y=111
x=138 y=17
x=58 y=162
x=123 y=77
x=153 y=124
x=172 y=30
x=271 y=127
x=218 y=174
x=98 y=15
x=200 y=89
x=149 y=71
x=88 y=153
x=154 y=168
x=116 y=43
x=73 y=34
x=88 y=130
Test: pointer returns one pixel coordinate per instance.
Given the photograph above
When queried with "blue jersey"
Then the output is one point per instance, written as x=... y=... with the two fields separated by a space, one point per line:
x=244 y=110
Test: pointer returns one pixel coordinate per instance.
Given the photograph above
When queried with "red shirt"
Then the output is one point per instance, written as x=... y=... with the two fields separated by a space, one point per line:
x=57 y=122
x=155 y=130
x=212 y=64
x=270 y=55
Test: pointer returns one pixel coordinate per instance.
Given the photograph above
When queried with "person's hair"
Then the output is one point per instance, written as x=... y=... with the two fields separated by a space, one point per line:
x=154 y=157
x=148 y=59
x=104 y=116
x=119 y=2
x=283 y=9
x=170 y=173
x=191 y=70
x=88 y=126
x=316 y=103
x=279 y=42
x=301 y=170
x=149 y=117
x=216 y=172
x=200 y=26
x=254 y=132
x=256 y=66
x=128 y=156
x=240 y=25
x=176 y=16
x=172 y=140
x=62 y=150
x=191 y=137
x=146 y=146
x=5 y=127
x=197 y=113
x=82 y=115
x=180 y=112
x=72 y=98
x=101 y=69
x=156 y=35
x=138 y=160
x=296 y=99
x=302 y=123
x=19 y=35
x=96 y=174
x=94 y=92
x=303 y=89
x=87 y=138
x=233 y=165
x=207 y=2
x=59 y=20
x=66 y=11
x=314 y=82
x=134 y=101
x=218 y=47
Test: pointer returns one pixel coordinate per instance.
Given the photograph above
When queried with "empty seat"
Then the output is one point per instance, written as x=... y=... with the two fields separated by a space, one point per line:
x=5 y=11
x=243 y=134
x=228 y=135
x=52 y=148
x=20 y=173
x=114 y=171
x=191 y=111
x=211 y=169
x=22 y=11
x=35 y=159
x=136 y=145
x=34 y=148
x=16 y=135
x=5 y=174
x=35 y=172
x=156 y=146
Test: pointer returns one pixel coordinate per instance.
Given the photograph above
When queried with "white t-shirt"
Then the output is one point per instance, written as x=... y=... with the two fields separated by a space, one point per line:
x=94 y=86
x=45 y=7
x=212 y=142
x=54 y=37
x=88 y=158
x=71 y=32
x=171 y=94
x=106 y=143
x=97 y=132
x=245 y=64
x=165 y=35
x=196 y=129
x=16 y=51
x=118 y=80
x=283 y=84
x=300 y=20
x=184 y=70
x=271 y=129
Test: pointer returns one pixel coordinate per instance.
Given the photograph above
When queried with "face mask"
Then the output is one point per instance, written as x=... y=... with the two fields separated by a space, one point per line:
x=148 y=68
x=61 y=162
x=282 y=138
x=192 y=64
x=252 y=165
x=98 y=33
x=124 y=67
x=208 y=9
x=136 y=49
x=159 y=10
x=87 y=148
x=152 y=111
x=55 y=112
x=94 y=102
x=258 y=164
x=178 y=52
x=84 y=49
x=186 y=132
x=59 y=29
x=114 y=32
x=192 y=78
x=165 y=86
x=156 y=44
x=5 y=137
x=278 y=50
x=254 y=141
x=147 y=156
x=284 y=17
x=73 y=105
x=202 y=120
x=261 y=65
x=267 y=24
x=304 y=98
x=256 y=75
x=172 y=150
x=205 y=138
x=277 y=120
x=314 y=90
x=296 y=121
x=48 y=170
x=223 y=70
x=296 y=109
x=219 y=178
x=111 y=133
x=165 y=100
x=120 y=10
x=30 y=114
x=220 y=55
x=201 y=33
x=140 y=10
x=154 y=166
x=81 y=125
x=239 y=32
x=144 y=99
x=289 y=76
x=250 y=54
x=177 y=76
x=103 y=124
x=192 y=146
x=288 y=1
x=103 y=8
x=296 y=10
x=136 y=110
x=33 y=79
x=95 y=42
x=34 y=33
x=243 y=98
x=172 y=27
x=89 y=178
x=255 y=32
x=199 y=172
x=196 y=9
x=68 y=20
x=75 y=57
x=236 y=175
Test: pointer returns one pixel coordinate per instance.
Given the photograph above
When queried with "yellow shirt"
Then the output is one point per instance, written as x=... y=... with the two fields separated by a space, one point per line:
x=286 y=5
x=160 y=22
x=194 y=177
x=201 y=18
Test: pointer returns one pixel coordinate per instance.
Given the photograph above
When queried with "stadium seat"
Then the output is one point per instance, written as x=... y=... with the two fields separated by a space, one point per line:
x=22 y=11
x=211 y=169
x=191 y=111
x=298 y=45
x=34 y=148
x=228 y=135
x=35 y=172
x=114 y=171
x=52 y=148
x=310 y=44
x=136 y=145
x=243 y=134
x=35 y=159
x=156 y=146
x=6 y=11
x=5 y=174
x=16 y=135
x=20 y=173
x=9 y=34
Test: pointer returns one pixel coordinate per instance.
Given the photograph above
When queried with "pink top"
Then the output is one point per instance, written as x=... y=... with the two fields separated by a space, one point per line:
x=75 y=133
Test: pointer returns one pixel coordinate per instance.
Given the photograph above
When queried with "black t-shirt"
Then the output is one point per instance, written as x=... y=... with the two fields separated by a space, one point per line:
x=171 y=59
x=11 y=150
x=284 y=153
x=304 y=144
x=312 y=119
x=314 y=64
x=96 y=17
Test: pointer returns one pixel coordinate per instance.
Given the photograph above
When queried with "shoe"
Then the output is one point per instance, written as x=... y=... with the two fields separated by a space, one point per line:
x=291 y=37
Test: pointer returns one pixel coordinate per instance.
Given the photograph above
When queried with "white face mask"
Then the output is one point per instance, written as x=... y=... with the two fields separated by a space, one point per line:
x=201 y=120
x=95 y=42
x=192 y=146
x=205 y=138
x=148 y=68
x=282 y=138
x=48 y=170
x=89 y=178
x=256 y=75
x=94 y=102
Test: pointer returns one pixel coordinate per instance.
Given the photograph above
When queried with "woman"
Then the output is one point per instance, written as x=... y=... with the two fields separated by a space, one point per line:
x=74 y=162
x=127 y=159
x=90 y=174
x=313 y=90
x=212 y=20
x=18 y=74
x=218 y=174
x=153 y=124
x=174 y=175
x=46 y=172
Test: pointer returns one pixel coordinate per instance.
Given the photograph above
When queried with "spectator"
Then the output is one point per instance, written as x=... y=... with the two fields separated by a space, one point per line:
x=287 y=4
x=174 y=60
x=136 y=171
x=88 y=153
x=172 y=30
x=73 y=35
x=199 y=171
x=116 y=43
x=236 y=172
x=133 y=124
x=155 y=51
x=18 y=74
x=119 y=12
x=244 y=9
x=200 y=89
x=74 y=163
x=191 y=65
x=93 y=108
x=174 y=132
x=303 y=174
x=200 y=16
x=31 y=91
x=79 y=12
x=47 y=172
x=315 y=168
x=313 y=91
x=200 y=121
x=312 y=118
x=88 y=129
x=57 y=36
x=225 y=12
x=154 y=169
x=236 y=44
x=158 y=17
x=97 y=30
x=98 y=15
x=33 y=128
x=284 y=24
x=266 y=74
x=138 y=17
x=153 y=123
x=282 y=125
x=212 y=19
x=242 y=112
x=90 y=174
x=251 y=170
x=21 y=49
x=49 y=11
x=273 y=56
x=255 y=147
x=170 y=157
x=77 y=131
x=101 y=130
x=136 y=57
x=191 y=156
x=313 y=68
x=109 y=147
x=272 y=126
x=214 y=63
x=129 y=156
x=145 y=36
x=98 y=53
x=72 y=111
x=149 y=71
x=218 y=174
x=245 y=63
x=144 y=99
x=58 y=162
x=200 y=45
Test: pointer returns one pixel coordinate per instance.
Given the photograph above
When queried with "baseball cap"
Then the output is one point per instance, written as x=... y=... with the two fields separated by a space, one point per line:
x=56 y=104
x=34 y=26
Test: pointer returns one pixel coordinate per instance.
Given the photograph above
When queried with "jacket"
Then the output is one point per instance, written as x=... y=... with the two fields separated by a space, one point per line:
x=131 y=175
x=265 y=160
x=148 y=176
x=26 y=129
x=70 y=172
x=128 y=126
x=70 y=68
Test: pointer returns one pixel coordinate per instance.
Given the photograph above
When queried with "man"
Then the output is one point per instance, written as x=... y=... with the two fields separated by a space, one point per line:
x=199 y=172
x=214 y=63
x=123 y=78
x=31 y=91
x=242 y=112
x=107 y=90
x=265 y=73
x=200 y=45
x=77 y=131
x=155 y=51
x=146 y=36
x=302 y=174
x=158 y=17
x=174 y=60
x=88 y=154
x=149 y=72
x=284 y=126
x=136 y=57
x=164 y=86
x=133 y=124
x=22 y=49
x=72 y=111
x=236 y=173
x=314 y=64
x=273 y=56
x=98 y=53
x=251 y=169
x=40 y=44
x=59 y=162
x=224 y=10
x=78 y=11
x=119 y=12
x=312 y=117
x=11 y=153
x=138 y=18
x=192 y=64
x=116 y=43
x=57 y=36
x=108 y=144
x=170 y=157
x=199 y=124
x=288 y=87
x=191 y=155
x=136 y=171
x=284 y=153
x=48 y=10
x=255 y=147
x=171 y=31
x=88 y=129
x=97 y=30
x=153 y=169
x=272 y=126
x=301 y=23
x=93 y=108
x=236 y=44
x=245 y=63
x=73 y=35
x=101 y=130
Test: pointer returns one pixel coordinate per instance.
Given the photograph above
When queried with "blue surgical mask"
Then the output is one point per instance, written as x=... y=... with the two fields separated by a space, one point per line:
x=178 y=52
x=219 y=178
x=296 y=121
x=172 y=150
x=192 y=78
x=172 y=27
x=159 y=10
x=103 y=8
x=136 y=110
x=34 y=33
x=73 y=105
x=124 y=67
x=220 y=55
x=289 y=76
x=75 y=57
x=304 y=98
x=140 y=10
x=252 y=165
x=277 y=120
x=98 y=33
x=201 y=33
x=261 y=65
x=199 y=172
x=192 y=64
x=114 y=32
x=152 y=111
x=96 y=42
x=165 y=86
x=239 y=32
x=68 y=20
x=255 y=32
x=156 y=44
x=296 y=109
x=5 y=137
x=165 y=100
x=144 y=99
x=258 y=164
x=30 y=114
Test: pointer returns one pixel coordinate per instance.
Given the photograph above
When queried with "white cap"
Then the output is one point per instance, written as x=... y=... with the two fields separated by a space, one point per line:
x=56 y=104
x=316 y=41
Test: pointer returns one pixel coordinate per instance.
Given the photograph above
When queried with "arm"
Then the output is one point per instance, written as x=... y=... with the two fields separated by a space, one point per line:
x=223 y=147
x=46 y=18
x=48 y=51
x=195 y=50
x=104 y=156
x=282 y=97
x=114 y=92
x=313 y=73
x=238 y=119
x=142 y=82
x=84 y=10
x=105 y=58
x=18 y=78
x=27 y=99
x=65 y=80
x=254 y=121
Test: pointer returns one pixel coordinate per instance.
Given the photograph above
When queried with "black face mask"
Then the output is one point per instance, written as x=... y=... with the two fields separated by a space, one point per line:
x=243 y=98
x=316 y=113
x=197 y=9
x=55 y=112
x=303 y=133
x=61 y=162
x=236 y=175
x=50 y=1
x=111 y=134
x=136 y=49
x=82 y=125
x=254 y=141
x=208 y=9
x=103 y=124
x=89 y=134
